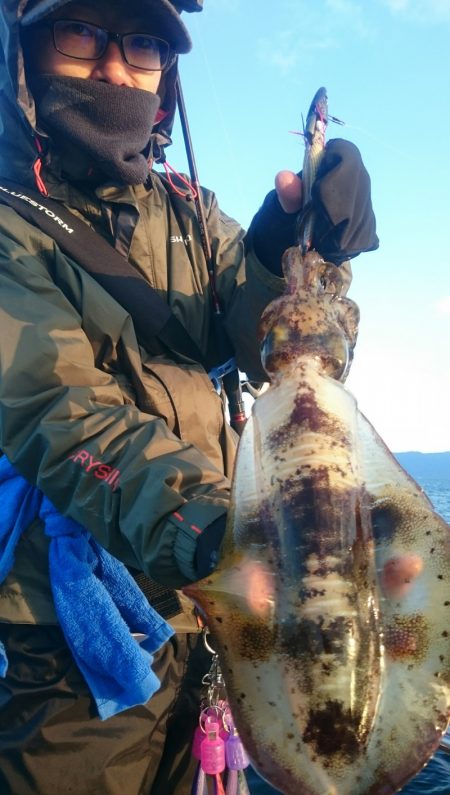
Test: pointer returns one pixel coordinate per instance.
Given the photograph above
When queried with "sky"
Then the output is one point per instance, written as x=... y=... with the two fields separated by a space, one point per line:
x=253 y=70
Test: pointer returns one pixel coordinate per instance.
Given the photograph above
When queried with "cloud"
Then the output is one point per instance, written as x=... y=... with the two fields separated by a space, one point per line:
x=284 y=61
x=306 y=29
x=224 y=5
x=397 y=5
x=421 y=10
x=352 y=14
x=443 y=305
x=287 y=49
x=278 y=51
x=343 y=6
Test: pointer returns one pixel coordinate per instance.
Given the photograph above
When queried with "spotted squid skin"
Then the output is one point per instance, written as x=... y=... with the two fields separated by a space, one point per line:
x=329 y=607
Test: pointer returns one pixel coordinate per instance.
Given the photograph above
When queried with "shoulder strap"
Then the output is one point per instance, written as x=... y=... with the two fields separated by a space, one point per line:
x=152 y=316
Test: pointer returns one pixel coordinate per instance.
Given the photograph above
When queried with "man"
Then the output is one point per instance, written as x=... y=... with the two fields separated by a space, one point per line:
x=128 y=441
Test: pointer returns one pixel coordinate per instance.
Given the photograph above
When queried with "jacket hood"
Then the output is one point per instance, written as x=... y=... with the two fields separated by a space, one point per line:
x=18 y=147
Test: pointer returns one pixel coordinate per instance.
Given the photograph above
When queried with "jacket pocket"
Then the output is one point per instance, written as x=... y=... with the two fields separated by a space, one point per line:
x=188 y=401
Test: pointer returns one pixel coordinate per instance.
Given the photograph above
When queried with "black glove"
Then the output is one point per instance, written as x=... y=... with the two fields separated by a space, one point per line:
x=344 y=219
x=344 y=223
x=271 y=232
x=208 y=546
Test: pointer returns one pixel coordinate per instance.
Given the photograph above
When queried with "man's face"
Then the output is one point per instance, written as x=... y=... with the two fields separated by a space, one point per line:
x=125 y=16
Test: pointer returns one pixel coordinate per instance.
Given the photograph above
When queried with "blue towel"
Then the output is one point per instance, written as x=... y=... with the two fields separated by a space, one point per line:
x=97 y=602
x=3 y=661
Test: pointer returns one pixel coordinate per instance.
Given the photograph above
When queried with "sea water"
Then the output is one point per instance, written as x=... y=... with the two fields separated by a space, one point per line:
x=435 y=777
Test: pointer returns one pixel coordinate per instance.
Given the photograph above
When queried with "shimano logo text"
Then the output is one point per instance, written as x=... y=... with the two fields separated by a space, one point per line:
x=179 y=239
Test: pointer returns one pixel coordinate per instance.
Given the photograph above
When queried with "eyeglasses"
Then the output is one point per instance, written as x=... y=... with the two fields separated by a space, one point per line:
x=88 y=42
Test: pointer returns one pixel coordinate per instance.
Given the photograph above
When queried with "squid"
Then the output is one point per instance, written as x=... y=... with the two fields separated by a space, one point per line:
x=329 y=607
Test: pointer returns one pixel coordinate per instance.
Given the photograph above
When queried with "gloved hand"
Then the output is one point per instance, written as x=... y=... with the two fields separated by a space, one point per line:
x=344 y=219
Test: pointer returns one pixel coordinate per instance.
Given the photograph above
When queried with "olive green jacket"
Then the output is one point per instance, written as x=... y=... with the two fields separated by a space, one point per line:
x=134 y=447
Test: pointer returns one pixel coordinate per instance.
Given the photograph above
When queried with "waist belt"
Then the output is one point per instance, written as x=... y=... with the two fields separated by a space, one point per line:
x=164 y=600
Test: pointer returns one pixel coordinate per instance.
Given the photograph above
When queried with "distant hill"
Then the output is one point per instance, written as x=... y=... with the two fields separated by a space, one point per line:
x=426 y=465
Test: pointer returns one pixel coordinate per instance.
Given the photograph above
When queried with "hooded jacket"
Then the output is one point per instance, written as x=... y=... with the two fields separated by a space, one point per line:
x=133 y=446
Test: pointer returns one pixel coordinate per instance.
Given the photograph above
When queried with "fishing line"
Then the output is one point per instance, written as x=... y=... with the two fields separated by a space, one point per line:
x=219 y=114
x=377 y=140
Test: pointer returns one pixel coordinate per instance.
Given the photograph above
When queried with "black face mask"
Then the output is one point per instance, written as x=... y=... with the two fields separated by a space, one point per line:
x=108 y=125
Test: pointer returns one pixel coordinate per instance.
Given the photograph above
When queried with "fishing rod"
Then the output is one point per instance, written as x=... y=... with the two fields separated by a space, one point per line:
x=228 y=372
